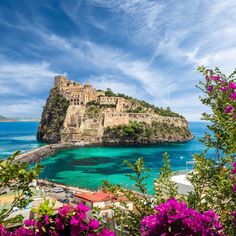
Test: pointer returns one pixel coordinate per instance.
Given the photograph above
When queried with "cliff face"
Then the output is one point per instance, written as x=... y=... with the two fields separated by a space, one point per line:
x=53 y=117
x=75 y=113
x=143 y=133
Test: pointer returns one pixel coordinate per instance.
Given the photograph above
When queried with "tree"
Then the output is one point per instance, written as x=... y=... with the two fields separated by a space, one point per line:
x=16 y=178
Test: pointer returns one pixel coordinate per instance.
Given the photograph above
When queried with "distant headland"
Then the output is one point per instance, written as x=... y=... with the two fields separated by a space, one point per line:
x=18 y=118
x=80 y=113
x=6 y=119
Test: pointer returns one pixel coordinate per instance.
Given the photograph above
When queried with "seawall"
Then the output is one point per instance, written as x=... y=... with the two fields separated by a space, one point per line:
x=40 y=153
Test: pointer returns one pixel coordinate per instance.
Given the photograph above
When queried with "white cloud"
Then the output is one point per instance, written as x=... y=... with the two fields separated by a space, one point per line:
x=37 y=76
x=25 y=107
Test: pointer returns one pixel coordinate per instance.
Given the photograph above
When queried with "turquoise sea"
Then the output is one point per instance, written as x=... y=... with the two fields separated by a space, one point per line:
x=87 y=166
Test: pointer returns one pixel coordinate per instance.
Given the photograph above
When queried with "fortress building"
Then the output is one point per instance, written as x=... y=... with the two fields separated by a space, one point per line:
x=79 y=94
x=91 y=112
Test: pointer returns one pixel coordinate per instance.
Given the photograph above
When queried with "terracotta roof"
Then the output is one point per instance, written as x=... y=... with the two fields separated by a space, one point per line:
x=99 y=197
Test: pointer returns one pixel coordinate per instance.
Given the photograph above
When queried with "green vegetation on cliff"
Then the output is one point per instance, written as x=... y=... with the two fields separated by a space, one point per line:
x=140 y=132
x=144 y=107
x=53 y=117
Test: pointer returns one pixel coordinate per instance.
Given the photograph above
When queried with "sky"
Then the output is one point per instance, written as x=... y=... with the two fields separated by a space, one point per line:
x=146 y=49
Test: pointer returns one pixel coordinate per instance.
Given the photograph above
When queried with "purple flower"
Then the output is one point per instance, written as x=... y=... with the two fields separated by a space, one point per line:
x=175 y=217
x=106 y=232
x=59 y=224
x=64 y=211
x=223 y=82
x=232 y=85
x=228 y=109
x=46 y=219
x=223 y=88
x=215 y=77
x=232 y=96
x=29 y=223
x=93 y=224
x=210 y=88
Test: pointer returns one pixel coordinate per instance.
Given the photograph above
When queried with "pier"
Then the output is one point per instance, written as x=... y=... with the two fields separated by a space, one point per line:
x=40 y=153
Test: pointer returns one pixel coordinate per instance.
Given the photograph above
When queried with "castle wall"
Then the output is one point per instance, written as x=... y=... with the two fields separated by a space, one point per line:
x=114 y=119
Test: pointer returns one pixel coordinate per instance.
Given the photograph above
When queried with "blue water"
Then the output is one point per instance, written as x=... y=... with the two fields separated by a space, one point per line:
x=17 y=136
x=88 y=166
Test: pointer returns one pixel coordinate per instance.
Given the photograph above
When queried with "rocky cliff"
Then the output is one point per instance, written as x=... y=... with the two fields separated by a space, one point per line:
x=53 y=117
x=75 y=113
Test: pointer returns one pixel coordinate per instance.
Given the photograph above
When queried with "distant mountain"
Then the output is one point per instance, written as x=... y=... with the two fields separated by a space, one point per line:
x=6 y=119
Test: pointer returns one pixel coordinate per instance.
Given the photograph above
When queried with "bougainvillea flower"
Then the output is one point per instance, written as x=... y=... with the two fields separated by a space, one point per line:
x=229 y=109
x=210 y=88
x=223 y=88
x=232 y=96
x=215 y=77
x=232 y=85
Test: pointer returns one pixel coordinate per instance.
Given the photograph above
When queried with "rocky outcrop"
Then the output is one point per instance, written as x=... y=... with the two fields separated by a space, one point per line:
x=80 y=113
x=143 y=133
x=53 y=117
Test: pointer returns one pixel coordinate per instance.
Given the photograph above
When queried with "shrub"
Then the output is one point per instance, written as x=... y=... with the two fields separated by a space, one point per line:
x=68 y=221
x=175 y=218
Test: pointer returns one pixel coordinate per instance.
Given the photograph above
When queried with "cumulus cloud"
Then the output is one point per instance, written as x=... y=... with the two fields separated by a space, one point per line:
x=147 y=49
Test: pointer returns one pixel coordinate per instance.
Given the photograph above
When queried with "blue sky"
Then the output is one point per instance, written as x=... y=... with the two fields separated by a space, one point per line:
x=146 y=49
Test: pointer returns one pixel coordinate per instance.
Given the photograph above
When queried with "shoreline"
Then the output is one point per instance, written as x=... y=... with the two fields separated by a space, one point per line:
x=52 y=184
x=38 y=154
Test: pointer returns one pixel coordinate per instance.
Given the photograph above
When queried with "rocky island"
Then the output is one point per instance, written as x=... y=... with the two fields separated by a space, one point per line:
x=81 y=113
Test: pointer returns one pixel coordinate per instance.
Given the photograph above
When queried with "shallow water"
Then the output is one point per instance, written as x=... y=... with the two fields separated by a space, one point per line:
x=87 y=166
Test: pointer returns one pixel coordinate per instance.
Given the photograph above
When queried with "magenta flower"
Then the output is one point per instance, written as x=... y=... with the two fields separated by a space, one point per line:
x=232 y=85
x=68 y=221
x=228 y=109
x=215 y=77
x=46 y=219
x=29 y=223
x=223 y=88
x=59 y=224
x=223 y=82
x=210 y=88
x=93 y=224
x=106 y=232
x=232 y=96
x=64 y=211
x=175 y=217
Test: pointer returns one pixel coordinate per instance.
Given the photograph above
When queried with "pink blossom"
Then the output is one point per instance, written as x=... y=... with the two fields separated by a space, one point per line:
x=232 y=96
x=215 y=77
x=229 y=109
x=46 y=219
x=223 y=82
x=223 y=88
x=64 y=211
x=232 y=85
x=210 y=88
x=93 y=224
x=234 y=116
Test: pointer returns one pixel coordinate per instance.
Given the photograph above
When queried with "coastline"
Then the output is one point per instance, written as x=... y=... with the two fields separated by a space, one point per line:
x=38 y=154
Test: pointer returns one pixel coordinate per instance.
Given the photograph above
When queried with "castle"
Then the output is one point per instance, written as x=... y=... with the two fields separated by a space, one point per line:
x=91 y=111
x=78 y=94
x=114 y=111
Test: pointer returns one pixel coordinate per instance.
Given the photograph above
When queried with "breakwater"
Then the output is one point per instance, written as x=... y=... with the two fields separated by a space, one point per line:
x=40 y=153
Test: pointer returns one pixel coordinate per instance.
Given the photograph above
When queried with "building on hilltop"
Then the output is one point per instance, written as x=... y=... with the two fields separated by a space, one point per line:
x=79 y=94
x=76 y=93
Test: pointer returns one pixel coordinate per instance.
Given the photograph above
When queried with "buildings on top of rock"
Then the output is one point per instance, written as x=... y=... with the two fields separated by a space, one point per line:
x=79 y=94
